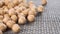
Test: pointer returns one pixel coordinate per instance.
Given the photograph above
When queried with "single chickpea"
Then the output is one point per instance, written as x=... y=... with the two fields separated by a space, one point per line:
x=1 y=3
x=40 y=8
x=6 y=15
x=32 y=13
x=25 y=12
x=15 y=28
x=12 y=12
x=22 y=20
x=1 y=32
x=44 y=2
x=21 y=14
x=10 y=23
x=14 y=18
x=10 y=5
x=1 y=17
x=6 y=19
x=1 y=11
x=15 y=2
x=2 y=27
x=31 y=18
x=6 y=2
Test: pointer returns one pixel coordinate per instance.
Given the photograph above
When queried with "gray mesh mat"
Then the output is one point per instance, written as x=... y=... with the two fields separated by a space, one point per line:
x=46 y=23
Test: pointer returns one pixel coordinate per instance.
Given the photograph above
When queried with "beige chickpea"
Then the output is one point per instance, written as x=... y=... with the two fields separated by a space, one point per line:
x=25 y=12
x=32 y=13
x=6 y=15
x=31 y=18
x=20 y=1
x=14 y=18
x=10 y=23
x=40 y=8
x=1 y=32
x=44 y=2
x=2 y=27
x=1 y=21
x=15 y=2
x=1 y=3
x=6 y=2
x=5 y=9
x=22 y=20
x=1 y=11
x=15 y=28
x=21 y=14
x=6 y=19
x=1 y=17
x=12 y=12
x=10 y=5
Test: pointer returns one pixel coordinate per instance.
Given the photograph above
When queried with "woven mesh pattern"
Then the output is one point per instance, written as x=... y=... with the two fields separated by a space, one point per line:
x=46 y=23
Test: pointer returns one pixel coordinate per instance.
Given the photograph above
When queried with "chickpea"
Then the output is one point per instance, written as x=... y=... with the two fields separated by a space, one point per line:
x=14 y=18
x=6 y=15
x=6 y=19
x=25 y=12
x=15 y=28
x=15 y=2
x=1 y=21
x=2 y=27
x=1 y=3
x=6 y=2
x=10 y=5
x=12 y=12
x=44 y=2
x=20 y=14
x=1 y=32
x=40 y=8
x=31 y=18
x=32 y=13
x=10 y=23
x=1 y=17
x=5 y=9
x=22 y=20
x=1 y=11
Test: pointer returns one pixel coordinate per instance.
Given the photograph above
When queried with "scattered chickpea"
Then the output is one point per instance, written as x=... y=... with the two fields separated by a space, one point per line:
x=22 y=20
x=40 y=8
x=31 y=18
x=14 y=18
x=44 y=2
x=1 y=32
x=15 y=28
x=2 y=27
x=10 y=23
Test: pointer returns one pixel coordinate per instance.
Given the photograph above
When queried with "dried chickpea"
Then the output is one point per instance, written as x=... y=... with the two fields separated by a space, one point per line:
x=6 y=19
x=32 y=13
x=2 y=27
x=14 y=18
x=15 y=2
x=40 y=8
x=25 y=12
x=20 y=14
x=6 y=2
x=22 y=20
x=44 y=2
x=15 y=28
x=1 y=32
x=1 y=17
x=12 y=12
x=1 y=21
x=1 y=3
x=6 y=15
x=1 y=11
x=10 y=23
x=10 y=5
x=20 y=1
x=31 y=18
x=5 y=9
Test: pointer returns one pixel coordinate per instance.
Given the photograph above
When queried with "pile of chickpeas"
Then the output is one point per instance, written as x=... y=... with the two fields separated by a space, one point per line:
x=16 y=12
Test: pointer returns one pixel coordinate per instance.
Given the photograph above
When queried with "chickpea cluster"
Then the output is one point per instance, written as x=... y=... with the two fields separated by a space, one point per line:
x=14 y=13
